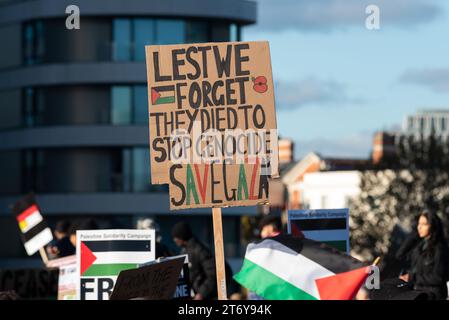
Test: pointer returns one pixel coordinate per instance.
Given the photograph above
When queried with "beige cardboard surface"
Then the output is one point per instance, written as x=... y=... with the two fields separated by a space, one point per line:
x=194 y=88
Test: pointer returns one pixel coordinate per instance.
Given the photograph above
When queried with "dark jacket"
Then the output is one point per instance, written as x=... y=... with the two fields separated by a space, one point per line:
x=65 y=247
x=428 y=271
x=203 y=273
x=201 y=269
x=162 y=250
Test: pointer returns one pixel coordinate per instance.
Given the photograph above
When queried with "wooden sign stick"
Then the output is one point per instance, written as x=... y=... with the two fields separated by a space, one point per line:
x=43 y=255
x=219 y=254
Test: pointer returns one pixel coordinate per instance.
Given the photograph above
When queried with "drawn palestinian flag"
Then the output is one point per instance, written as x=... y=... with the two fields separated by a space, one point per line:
x=35 y=232
x=332 y=232
x=107 y=258
x=289 y=268
x=162 y=95
x=102 y=254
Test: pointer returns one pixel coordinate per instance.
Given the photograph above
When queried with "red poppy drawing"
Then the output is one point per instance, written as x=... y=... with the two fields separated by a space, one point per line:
x=260 y=84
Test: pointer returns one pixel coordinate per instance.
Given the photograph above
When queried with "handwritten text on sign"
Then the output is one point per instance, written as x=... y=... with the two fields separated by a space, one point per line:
x=212 y=122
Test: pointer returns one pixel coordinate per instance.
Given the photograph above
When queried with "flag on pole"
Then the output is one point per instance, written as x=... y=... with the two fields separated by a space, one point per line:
x=290 y=268
x=34 y=230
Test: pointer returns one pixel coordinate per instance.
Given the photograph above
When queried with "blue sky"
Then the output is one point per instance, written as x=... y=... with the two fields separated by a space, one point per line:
x=338 y=82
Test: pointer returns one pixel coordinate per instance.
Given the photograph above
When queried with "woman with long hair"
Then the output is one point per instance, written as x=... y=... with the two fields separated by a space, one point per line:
x=428 y=256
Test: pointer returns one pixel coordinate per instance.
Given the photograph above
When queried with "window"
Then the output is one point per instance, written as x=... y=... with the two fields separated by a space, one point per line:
x=29 y=43
x=122 y=39
x=141 y=170
x=34 y=42
x=28 y=170
x=34 y=107
x=144 y=33
x=33 y=163
x=170 y=31
x=132 y=35
x=29 y=107
x=121 y=105
x=432 y=124
x=197 y=31
x=136 y=171
x=140 y=105
x=129 y=104
x=443 y=123
x=234 y=32
x=40 y=41
x=127 y=169
x=421 y=123
x=220 y=31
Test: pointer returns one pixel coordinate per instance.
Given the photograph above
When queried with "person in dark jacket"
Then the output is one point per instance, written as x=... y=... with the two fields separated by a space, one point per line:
x=201 y=264
x=61 y=245
x=426 y=254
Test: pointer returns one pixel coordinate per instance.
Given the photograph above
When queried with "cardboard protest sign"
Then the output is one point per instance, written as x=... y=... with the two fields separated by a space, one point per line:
x=102 y=254
x=68 y=276
x=183 y=288
x=330 y=226
x=34 y=230
x=212 y=121
x=155 y=281
x=36 y=283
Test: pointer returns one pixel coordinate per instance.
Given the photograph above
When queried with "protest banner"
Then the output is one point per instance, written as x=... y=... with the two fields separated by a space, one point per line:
x=183 y=288
x=35 y=283
x=212 y=125
x=102 y=254
x=35 y=232
x=212 y=122
x=156 y=281
x=68 y=276
x=329 y=226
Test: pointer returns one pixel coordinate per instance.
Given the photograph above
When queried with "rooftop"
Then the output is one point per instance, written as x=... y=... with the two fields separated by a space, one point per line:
x=433 y=111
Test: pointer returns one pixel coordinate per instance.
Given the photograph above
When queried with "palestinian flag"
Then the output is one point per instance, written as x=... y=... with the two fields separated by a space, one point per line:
x=290 y=268
x=102 y=254
x=163 y=95
x=332 y=232
x=34 y=230
x=107 y=258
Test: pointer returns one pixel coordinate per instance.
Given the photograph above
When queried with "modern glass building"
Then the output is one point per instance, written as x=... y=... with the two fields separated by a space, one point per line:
x=73 y=110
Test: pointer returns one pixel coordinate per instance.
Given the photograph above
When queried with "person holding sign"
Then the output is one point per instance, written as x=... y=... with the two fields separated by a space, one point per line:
x=270 y=226
x=213 y=135
x=61 y=246
x=202 y=265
